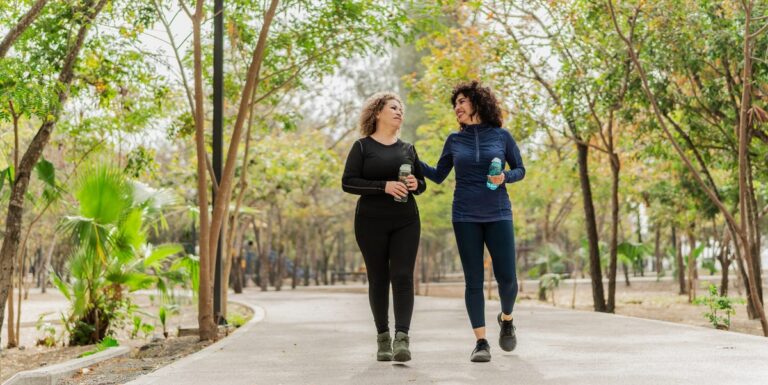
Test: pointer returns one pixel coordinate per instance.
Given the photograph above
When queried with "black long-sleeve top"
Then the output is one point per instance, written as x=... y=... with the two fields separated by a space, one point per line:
x=370 y=165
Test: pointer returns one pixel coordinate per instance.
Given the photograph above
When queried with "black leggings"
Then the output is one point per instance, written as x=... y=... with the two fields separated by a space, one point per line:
x=499 y=237
x=389 y=249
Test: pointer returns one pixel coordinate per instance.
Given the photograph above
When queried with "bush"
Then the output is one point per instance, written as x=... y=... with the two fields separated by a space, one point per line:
x=111 y=254
x=720 y=308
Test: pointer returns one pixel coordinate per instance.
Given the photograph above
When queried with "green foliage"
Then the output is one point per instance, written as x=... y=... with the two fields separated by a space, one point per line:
x=111 y=254
x=720 y=308
x=633 y=254
x=236 y=319
x=163 y=313
x=139 y=326
x=48 y=338
x=710 y=265
x=547 y=285
x=106 y=343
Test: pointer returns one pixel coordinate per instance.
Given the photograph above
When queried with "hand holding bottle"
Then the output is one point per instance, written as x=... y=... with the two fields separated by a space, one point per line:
x=396 y=189
x=495 y=176
x=411 y=182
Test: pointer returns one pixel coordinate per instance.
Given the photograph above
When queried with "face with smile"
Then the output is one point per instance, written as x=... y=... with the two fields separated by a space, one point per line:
x=391 y=115
x=464 y=111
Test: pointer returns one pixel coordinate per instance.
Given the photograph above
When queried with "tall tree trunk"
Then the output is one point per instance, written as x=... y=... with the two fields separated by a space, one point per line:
x=679 y=259
x=47 y=264
x=691 y=265
x=265 y=236
x=22 y=275
x=748 y=230
x=35 y=149
x=614 y=241
x=12 y=342
x=598 y=296
x=657 y=250
x=625 y=270
x=640 y=261
x=205 y=317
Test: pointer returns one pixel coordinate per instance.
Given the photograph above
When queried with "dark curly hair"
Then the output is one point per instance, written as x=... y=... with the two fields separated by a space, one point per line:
x=483 y=101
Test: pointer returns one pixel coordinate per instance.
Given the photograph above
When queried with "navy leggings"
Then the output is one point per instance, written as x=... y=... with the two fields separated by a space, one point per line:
x=500 y=238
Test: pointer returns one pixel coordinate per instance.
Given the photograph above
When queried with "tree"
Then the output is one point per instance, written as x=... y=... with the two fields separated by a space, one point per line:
x=82 y=21
x=746 y=228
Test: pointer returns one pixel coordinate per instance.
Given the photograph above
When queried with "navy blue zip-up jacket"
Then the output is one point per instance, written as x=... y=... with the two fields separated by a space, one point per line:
x=470 y=152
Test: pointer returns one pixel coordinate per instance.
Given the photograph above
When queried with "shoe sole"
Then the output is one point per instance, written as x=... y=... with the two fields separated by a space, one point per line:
x=479 y=358
x=386 y=357
x=506 y=343
x=402 y=356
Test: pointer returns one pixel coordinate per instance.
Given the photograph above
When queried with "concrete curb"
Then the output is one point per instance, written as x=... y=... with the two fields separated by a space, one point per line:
x=157 y=377
x=49 y=375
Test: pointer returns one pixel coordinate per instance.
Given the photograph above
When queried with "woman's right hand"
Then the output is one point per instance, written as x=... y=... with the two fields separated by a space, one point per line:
x=396 y=189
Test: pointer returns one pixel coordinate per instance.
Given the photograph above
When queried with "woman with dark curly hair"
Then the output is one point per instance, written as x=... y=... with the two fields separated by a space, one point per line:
x=387 y=224
x=482 y=213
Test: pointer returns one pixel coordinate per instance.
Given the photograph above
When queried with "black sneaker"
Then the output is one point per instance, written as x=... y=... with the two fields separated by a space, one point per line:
x=482 y=352
x=507 y=337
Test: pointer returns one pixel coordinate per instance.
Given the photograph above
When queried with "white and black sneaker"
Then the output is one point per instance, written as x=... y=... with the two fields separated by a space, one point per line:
x=482 y=352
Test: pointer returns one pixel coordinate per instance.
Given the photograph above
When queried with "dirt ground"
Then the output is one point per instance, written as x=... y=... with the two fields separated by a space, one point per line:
x=147 y=352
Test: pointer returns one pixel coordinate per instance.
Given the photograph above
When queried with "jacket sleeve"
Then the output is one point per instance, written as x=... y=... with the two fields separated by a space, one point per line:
x=418 y=172
x=352 y=181
x=516 y=170
x=444 y=164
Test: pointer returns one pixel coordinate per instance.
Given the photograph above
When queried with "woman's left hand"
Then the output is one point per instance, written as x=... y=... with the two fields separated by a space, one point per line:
x=496 y=179
x=411 y=183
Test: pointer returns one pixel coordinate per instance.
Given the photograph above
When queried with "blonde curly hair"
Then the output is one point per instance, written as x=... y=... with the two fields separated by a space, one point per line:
x=372 y=107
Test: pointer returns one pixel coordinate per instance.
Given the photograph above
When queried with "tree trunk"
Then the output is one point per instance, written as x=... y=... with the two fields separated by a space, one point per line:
x=691 y=265
x=657 y=251
x=679 y=259
x=12 y=342
x=614 y=241
x=595 y=271
x=725 y=264
x=35 y=149
x=205 y=317
x=265 y=236
x=22 y=275
x=625 y=270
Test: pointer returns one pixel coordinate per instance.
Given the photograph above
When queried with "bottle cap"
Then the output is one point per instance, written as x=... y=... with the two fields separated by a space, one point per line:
x=405 y=168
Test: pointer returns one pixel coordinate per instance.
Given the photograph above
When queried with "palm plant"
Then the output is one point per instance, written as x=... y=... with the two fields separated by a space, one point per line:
x=111 y=255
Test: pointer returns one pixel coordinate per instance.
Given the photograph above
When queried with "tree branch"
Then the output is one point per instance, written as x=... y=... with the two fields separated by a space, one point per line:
x=21 y=26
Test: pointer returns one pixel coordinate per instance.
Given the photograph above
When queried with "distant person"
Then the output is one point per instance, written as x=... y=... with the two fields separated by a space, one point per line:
x=387 y=224
x=482 y=214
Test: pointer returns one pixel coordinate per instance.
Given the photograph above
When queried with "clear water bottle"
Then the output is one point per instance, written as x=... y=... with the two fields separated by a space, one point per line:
x=495 y=169
x=405 y=170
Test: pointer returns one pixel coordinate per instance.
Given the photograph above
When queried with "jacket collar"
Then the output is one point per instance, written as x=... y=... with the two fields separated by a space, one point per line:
x=471 y=128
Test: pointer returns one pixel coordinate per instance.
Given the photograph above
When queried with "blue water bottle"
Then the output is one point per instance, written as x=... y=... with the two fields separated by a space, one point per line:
x=495 y=169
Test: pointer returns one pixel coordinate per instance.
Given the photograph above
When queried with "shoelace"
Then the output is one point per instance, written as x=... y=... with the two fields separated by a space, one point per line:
x=506 y=327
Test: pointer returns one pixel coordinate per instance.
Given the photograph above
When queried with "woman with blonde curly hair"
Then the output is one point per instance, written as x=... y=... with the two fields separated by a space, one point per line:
x=387 y=224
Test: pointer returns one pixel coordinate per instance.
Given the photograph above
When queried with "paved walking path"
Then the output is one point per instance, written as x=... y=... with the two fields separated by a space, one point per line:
x=312 y=337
